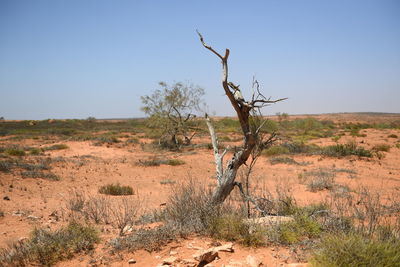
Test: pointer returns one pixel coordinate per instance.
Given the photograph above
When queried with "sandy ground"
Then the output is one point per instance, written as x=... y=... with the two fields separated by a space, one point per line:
x=36 y=202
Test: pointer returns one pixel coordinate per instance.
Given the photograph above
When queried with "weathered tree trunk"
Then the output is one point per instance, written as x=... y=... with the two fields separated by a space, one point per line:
x=226 y=178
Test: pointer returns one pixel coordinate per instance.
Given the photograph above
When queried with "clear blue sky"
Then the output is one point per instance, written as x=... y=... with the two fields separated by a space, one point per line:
x=81 y=58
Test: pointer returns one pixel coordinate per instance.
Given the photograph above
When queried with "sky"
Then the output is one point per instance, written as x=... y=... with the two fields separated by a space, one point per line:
x=95 y=58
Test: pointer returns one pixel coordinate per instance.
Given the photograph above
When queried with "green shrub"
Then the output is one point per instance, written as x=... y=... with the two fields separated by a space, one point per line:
x=283 y=160
x=47 y=248
x=158 y=162
x=15 y=152
x=147 y=239
x=302 y=227
x=349 y=250
x=340 y=150
x=286 y=160
x=116 y=190
x=275 y=150
x=173 y=162
x=381 y=147
x=167 y=181
x=232 y=227
x=35 y=151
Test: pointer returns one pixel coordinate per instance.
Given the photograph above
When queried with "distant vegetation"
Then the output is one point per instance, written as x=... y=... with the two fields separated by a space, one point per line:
x=116 y=190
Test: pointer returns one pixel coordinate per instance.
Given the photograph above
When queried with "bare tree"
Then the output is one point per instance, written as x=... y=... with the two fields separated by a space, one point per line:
x=248 y=113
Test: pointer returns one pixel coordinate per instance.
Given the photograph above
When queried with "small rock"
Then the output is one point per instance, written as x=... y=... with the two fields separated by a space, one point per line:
x=131 y=261
x=206 y=256
x=173 y=252
x=253 y=261
x=225 y=248
x=6 y=198
x=33 y=218
x=169 y=260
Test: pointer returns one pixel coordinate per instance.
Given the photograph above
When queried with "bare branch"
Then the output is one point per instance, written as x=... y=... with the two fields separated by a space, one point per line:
x=218 y=158
x=223 y=58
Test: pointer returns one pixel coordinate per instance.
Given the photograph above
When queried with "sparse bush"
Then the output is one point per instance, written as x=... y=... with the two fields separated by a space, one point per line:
x=105 y=139
x=158 y=162
x=124 y=213
x=15 y=152
x=275 y=150
x=116 y=190
x=320 y=183
x=97 y=209
x=340 y=150
x=286 y=160
x=47 y=248
x=392 y=136
x=381 y=147
x=147 y=239
x=319 y=179
x=167 y=181
x=56 y=147
x=295 y=231
x=35 y=151
x=39 y=174
x=189 y=208
x=5 y=166
x=232 y=227
x=348 y=250
x=174 y=162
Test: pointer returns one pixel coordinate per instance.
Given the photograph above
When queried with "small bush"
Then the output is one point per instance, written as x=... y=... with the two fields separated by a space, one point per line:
x=275 y=150
x=381 y=147
x=147 y=239
x=116 y=190
x=158 y=162
x=39 y=174
x=348 y=250
x=15 y=152
x=173 y=162
x=35 y=151
x=47 y=248
x=5 y=166
x=286 y=160
x=392 y=136
x=340 y=150
x=232 y=227
x=320 y=183
x=319 y=179
x=56 y=147
x=167 y=181
x=301 y=228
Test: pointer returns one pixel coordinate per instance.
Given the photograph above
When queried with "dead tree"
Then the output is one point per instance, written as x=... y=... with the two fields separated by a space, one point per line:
x=252 y=139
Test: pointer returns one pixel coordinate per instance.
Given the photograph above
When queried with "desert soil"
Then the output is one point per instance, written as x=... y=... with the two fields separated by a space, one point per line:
x=37 y=202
